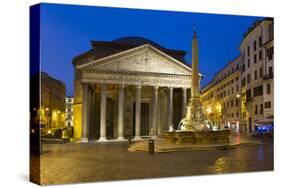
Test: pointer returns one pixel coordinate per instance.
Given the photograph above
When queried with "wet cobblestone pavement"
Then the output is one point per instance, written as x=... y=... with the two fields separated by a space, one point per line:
x=76 y=163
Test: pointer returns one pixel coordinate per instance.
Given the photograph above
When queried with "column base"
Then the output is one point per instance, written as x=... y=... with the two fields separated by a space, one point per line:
x=155 y=137
x=102 y=139
x=83 y=140
x=137 y=138
x=121 y=138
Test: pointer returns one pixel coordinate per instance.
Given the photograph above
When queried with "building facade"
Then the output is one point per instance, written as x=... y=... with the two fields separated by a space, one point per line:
x=221 y=97
x=240 y=96
x=69 y=111
x=130 y=87
x=52 y=109
x=257 y=74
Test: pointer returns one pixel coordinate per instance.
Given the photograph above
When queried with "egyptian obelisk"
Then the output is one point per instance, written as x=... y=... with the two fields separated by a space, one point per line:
x=195 y=90
x=194 y=120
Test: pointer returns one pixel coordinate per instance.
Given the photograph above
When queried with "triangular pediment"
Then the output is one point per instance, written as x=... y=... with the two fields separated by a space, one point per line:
x=144 y=58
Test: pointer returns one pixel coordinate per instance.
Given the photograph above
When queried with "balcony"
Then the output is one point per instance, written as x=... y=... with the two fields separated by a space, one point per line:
x=249 y=99
x=268 y=77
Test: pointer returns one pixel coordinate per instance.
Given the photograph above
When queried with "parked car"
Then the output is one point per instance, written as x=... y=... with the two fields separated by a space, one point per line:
x=263 y=130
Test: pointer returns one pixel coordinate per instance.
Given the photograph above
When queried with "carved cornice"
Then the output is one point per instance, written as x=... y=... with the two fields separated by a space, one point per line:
x=131 y=73
x=137 y=78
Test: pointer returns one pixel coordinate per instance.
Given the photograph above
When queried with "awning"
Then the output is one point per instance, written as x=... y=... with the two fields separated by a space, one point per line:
x=264 y=121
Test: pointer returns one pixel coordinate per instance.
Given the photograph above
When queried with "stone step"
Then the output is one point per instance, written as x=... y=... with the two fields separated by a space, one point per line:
x=161 y=148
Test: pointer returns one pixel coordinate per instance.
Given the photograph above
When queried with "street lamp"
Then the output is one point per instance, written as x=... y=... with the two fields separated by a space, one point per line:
x=208 y=110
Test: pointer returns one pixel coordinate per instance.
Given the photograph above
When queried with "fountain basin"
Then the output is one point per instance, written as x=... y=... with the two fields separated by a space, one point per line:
x=196 y=137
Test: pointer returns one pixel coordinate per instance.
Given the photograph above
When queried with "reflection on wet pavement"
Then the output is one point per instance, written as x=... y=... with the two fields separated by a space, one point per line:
x=73 y=163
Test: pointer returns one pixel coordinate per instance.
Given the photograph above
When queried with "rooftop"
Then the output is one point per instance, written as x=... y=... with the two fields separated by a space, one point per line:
x=105 y=48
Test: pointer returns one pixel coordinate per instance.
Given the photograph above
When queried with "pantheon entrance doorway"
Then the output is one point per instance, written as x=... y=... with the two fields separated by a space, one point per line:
x=144 y=119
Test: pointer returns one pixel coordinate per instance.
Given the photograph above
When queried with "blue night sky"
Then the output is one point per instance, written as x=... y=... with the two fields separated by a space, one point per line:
x=66 y=31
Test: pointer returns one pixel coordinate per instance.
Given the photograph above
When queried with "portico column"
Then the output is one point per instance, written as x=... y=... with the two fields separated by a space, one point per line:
x=121 y=113
x=85 y=118
x=184 y=102
x=103 y=114
x=170 y=115
x=155 y=110
x=138 y=110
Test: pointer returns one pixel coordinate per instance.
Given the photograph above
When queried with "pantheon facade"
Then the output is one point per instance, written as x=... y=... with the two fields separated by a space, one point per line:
x=129 y=87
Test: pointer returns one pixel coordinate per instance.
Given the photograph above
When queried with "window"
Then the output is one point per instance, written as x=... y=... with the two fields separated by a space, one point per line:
x=258 y=91
x=243 y=68
x=260 y=55
x=255 y=58
x=261 y=74
x=232 y=90
x=248 y=78
x=232 y=103
x=248 y=94
x=260 y=41
x=236 y=102
x=256 y=75
x=232 y=115
x=270 y=72
x=237 y=114
x=237 y=87
x=249 y=63
x=248 y=52
x=267 y=104
x=243 y=82
x=255 y=45
x=261 y=109
x=269 y=53
x=256 y=109
x=268 y=88
x=237 y=67
x=227 y=104
x=270 y=31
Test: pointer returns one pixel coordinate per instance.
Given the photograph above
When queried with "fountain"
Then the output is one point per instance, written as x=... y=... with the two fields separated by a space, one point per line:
x=195 y=128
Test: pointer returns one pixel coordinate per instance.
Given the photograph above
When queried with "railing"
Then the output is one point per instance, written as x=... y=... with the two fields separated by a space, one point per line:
x=268 y=76
x=249 y=99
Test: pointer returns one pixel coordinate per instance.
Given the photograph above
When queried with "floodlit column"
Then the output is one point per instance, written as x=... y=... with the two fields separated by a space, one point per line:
x=85 y=118
x=121 y=113
x=155 y=110
x=170 y=115
x=138 y=112
x=184 y=102
x=103 y=114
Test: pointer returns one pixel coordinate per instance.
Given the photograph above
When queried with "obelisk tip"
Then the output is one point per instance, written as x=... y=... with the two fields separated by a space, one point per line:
x=194 y=33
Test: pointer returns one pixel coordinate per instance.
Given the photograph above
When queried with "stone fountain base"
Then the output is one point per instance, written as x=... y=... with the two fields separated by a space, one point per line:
x=196 y=137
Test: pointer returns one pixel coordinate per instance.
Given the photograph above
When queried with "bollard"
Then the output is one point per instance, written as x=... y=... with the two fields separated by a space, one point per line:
x=151 y=146
x=129 y=140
